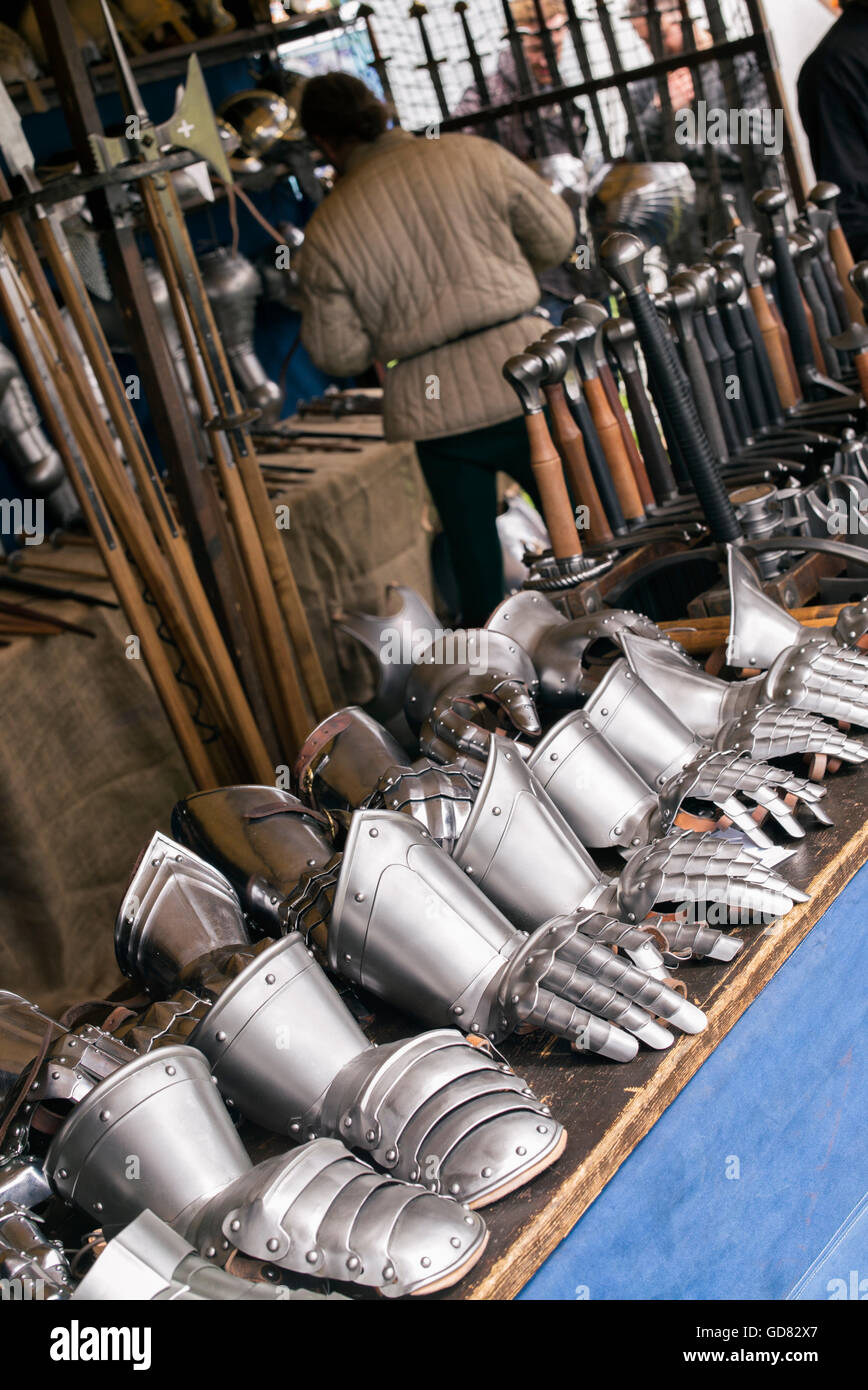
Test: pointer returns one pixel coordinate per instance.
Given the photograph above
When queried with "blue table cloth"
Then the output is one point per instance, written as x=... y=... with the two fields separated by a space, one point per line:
x=754 y=1183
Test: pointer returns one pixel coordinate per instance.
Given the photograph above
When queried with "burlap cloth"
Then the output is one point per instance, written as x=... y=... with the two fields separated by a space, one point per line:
x=88 y=765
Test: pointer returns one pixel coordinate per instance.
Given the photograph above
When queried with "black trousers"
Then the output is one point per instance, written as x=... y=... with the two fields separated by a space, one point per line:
x=461 y=473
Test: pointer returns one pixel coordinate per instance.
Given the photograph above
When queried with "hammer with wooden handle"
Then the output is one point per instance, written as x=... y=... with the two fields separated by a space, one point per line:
x=525 y=372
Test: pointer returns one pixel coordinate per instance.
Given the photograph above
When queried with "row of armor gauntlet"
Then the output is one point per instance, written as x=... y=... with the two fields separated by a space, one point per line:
x=502 y=822
x=558 y=647
x=605 y=804
x=397 y=915
x=152 y=1132
x=805 y=667
x=288 y=1054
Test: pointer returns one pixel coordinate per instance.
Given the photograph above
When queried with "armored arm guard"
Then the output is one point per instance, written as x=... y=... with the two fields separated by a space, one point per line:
x=287 y=1053
x=24 y=440
x=805 y=669
x=398 y=916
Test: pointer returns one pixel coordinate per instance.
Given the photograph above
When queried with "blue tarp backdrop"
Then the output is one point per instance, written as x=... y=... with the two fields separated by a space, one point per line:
x=754 y=1183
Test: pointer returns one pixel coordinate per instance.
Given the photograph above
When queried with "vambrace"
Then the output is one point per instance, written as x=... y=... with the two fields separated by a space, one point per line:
x=286 y=1052
x=301 y=1212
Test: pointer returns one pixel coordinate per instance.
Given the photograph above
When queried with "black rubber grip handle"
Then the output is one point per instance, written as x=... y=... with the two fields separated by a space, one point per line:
x=671 y=381
x=789 y=297
x=711 y=358
x=747 y=372
x=659 y=469
x=821 y=322
x=763 y=364
x=729 y=369
x=705 y=398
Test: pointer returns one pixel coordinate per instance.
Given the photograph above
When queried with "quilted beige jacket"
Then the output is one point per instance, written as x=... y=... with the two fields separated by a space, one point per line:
x=420 y=244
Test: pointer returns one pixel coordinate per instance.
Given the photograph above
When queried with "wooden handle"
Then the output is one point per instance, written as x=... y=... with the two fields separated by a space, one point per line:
x=819 y=360
x=568 y=438
x=614 y=449
x=843 y=258
x=774 y=347
x=862 y=373
x=549 y=475
x=637 y=463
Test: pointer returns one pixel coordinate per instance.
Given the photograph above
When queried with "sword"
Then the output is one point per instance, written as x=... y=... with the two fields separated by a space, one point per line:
x=432 y=65
x=566 y=108
x=575 y=27
x=525 y=86
x=378 y=62
x=473 y=56
x=608 y=31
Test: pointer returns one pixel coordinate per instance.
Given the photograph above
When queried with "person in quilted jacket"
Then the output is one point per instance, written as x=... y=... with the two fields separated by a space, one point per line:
x=424 y=258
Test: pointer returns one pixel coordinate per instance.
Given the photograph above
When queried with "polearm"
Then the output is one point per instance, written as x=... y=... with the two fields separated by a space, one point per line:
x=271 y=578
x=379 y=64
x=575 y=27
x=207 y=529
x=525 y=86
x=567 y=108
x=431 y=65
x=216 y=673
x=608 y=31
x=16 y=307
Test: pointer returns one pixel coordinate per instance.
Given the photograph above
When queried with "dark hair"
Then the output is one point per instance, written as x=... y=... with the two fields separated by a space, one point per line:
x=340 y=108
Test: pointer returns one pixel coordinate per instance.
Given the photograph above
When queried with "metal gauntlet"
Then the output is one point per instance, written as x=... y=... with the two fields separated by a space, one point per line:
x=285 y=1050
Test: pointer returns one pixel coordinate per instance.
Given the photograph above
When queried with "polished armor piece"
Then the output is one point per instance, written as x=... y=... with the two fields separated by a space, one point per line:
x=394 y=642
x=557 y=645
x=163 y=1114
x=149 y=1262
x=805 y=668
x=24 y=442
x=37 y=1264
x=738 y=714
x=518 y=847
x=410 y=926
x=460 y=672
x=323 y=1212
x=288 y=1054
x=233 y=287
x=263 y=839
x=652 y=739
x=596 y=790
x=341 y=762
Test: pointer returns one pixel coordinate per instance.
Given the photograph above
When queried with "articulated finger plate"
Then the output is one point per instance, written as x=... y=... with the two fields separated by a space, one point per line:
x=457 y=677
x=729 y=779
x=701 y=870
x=321 y=1211
x=439 y=797
x=779 y=731
x=821 y=677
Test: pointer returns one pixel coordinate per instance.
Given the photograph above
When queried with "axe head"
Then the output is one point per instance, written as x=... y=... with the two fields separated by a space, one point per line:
x=193 y=125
